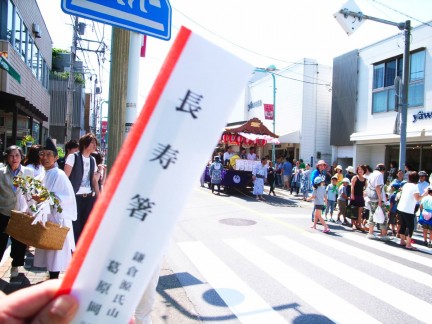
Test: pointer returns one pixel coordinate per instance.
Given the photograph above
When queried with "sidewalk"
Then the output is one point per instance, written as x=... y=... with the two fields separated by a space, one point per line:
x=28 y=275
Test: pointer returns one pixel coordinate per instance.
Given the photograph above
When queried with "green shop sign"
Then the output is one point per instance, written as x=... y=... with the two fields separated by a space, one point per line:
x=4 y=64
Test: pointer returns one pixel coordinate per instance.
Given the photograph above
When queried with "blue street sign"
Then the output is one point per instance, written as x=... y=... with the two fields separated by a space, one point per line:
x=150 y=17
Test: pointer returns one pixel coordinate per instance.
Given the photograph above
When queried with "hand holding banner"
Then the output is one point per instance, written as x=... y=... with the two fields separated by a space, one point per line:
x=171 y=140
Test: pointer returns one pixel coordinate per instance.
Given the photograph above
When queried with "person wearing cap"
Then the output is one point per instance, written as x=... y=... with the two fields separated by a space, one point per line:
x=377 y=199
x=350 y=172
x=338 y=174
x=320 y=171
x=422 y=184
x=216 y=174
x=10 y=199
x=56 y=181
x=406 y=209
x=331 y=193
x=343 y=196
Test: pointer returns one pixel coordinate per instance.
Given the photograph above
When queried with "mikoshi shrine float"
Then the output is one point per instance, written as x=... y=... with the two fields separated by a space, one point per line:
x=253 y=133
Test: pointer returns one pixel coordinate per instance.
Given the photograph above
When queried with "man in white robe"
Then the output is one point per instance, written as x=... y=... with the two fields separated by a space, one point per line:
x=56 y=181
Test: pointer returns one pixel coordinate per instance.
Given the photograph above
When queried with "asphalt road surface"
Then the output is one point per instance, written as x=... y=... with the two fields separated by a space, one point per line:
x=235 y=260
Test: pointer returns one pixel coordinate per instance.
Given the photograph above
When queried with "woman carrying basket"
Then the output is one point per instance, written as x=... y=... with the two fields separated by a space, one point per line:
x=56 y=181
x=10 y=199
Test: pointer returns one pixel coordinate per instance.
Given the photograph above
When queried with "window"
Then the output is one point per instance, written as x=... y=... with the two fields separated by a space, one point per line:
x=18 y=33
x=10 y=24
x=383 y=92
x=29 y=52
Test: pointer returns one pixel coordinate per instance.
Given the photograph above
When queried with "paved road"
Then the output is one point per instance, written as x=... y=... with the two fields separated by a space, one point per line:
x=235 y=260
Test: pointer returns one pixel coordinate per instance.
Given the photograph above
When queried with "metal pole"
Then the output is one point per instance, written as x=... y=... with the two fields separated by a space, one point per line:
x=71 y=85
x=404 y=105
x=274 y=117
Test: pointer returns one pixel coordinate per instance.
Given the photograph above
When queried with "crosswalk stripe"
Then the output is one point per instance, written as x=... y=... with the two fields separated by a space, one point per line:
x=252 y=309
x=392 y=266
x=412 y=305
x=312 y=293
x=408 y=255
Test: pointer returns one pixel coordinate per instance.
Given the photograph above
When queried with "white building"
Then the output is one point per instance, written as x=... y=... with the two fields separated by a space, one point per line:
x=302 y=114
x=363 y=103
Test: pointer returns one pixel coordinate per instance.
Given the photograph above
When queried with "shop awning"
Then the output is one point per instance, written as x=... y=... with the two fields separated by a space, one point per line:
x=5 y=65
x=292 y=137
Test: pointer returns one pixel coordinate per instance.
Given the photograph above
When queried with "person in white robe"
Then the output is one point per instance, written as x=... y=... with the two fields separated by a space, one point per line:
x=56 y=181
x=259 y=176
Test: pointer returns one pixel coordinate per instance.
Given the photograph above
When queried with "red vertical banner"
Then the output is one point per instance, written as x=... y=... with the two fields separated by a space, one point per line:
x=268 y=111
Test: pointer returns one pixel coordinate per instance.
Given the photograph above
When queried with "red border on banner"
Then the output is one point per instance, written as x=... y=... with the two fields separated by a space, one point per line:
x=122 y=161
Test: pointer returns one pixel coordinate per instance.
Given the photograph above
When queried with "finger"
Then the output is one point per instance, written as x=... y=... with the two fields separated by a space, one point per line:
x=59 y=311
x=27 y=302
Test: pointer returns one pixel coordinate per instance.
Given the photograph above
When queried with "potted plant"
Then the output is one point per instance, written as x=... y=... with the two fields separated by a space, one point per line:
x=27 y=141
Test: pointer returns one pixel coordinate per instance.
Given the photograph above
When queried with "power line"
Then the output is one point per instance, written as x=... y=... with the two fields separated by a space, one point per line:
x=402 y=13
x=232 y=43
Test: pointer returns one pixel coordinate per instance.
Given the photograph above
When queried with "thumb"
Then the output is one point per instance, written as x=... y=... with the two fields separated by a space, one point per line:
x=61 y=310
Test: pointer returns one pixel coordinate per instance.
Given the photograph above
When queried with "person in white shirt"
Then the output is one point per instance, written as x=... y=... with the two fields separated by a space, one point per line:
x=227 y=155
x=406 y=209
x=377 y=199
x=252 y=155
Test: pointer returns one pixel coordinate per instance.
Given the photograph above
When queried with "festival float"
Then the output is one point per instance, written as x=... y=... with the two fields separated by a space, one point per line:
x=253 y=133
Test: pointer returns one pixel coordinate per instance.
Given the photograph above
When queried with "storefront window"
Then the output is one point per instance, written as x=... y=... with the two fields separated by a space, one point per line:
x=418 y=156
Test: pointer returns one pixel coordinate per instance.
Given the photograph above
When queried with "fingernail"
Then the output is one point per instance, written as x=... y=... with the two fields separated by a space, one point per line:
x=62 y=306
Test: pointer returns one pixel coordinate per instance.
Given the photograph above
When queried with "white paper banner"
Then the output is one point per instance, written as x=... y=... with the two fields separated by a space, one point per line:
x=159 y=164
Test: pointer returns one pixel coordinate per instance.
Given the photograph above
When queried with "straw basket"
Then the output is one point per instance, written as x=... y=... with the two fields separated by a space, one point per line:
x=50 y=237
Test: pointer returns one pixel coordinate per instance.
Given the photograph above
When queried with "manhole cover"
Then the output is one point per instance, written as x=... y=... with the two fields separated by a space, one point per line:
x=237 y=221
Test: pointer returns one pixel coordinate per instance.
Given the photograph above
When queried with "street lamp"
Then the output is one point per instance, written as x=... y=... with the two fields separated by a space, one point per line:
x=270 y=69
x=403 y=106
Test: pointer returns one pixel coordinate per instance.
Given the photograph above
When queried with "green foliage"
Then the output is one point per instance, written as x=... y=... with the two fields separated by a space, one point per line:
x=27 y=139
x=57 y=51
x=78 y=77
x=60 y=151
x=32 y=187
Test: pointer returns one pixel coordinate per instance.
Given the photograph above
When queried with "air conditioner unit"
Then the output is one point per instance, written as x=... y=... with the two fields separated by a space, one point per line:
x=36 y=30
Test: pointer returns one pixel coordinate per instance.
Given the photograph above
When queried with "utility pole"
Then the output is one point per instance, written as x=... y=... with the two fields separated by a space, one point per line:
x=117 y=91
x=403 y=107
x=71 y=84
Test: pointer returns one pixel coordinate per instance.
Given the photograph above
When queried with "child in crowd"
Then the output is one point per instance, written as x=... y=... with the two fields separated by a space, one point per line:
x=394 y=188
x=343 y=200
x=320 y=200
x=426 y=210
x=331 y=193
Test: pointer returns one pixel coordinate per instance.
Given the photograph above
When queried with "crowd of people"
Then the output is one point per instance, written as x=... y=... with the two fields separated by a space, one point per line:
x=352 y=197
x=76 y=188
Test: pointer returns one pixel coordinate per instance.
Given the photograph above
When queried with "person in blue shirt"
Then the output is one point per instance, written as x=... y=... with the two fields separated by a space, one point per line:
x=320 y=171
x=287 y=172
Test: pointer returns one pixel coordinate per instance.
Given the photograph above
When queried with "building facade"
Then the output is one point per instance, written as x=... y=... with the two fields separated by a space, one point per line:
x=302 y=96
x=363 y=118
x=26 y=48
